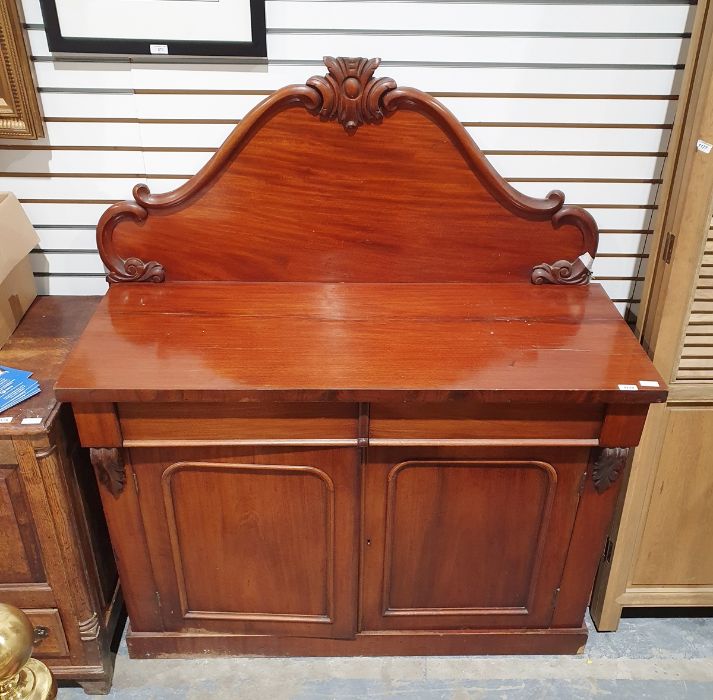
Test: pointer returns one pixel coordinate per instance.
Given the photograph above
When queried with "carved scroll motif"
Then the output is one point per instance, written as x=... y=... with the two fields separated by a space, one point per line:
x=136 y=270
x=561 y=272
x=608 y=467
x=125 y=269
x=109 y=465
x=350 y=94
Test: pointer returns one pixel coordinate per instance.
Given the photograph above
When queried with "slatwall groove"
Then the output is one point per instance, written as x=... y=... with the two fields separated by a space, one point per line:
x=471 y=34
x=626 y=81
x=434 y=93
x=199 y=149
x=561 y=94
x=233 y=122
x=460 y=49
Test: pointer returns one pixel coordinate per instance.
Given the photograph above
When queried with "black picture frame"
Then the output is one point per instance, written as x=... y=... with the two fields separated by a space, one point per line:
x=58 y=43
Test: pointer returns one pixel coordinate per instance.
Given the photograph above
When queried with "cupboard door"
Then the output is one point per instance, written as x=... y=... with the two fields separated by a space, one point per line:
x=258 y=540
x=675 y=547
x=20 y=560
x=464 y=538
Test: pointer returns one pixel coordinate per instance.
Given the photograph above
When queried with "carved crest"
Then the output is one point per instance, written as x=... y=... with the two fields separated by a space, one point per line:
x=109 y=465
x=350 y=94
x=608 y=467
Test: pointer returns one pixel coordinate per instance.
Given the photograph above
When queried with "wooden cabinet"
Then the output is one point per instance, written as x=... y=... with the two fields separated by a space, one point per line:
x=349 y=393
x=251 y=532
x=659 y=551
x=55 y=559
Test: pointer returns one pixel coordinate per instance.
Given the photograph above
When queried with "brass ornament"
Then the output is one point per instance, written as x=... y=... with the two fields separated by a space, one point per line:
x=21 y=677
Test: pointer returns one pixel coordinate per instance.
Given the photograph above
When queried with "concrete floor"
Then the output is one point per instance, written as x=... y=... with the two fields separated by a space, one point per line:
x=647 y=658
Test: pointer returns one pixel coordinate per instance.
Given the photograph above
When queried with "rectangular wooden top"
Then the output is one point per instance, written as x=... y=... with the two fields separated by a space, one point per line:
x=225 y=341
x=40 y=345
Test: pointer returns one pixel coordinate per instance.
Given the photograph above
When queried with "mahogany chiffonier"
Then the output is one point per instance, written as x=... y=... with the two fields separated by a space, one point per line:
x=350 y=393
x=56 y=561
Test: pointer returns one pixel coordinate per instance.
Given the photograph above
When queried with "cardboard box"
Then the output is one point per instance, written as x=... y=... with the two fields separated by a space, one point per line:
x=17 y=284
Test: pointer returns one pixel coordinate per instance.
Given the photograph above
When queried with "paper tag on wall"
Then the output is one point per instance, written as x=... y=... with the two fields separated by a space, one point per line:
x=158 y=48
x=704 y=146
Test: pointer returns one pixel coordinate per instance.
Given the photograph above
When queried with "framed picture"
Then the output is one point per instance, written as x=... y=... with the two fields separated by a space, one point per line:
x=156 y=27
x=20 y=116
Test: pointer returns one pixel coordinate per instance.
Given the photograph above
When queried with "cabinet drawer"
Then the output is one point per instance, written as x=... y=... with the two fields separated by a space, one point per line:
x=52 y=643
x=236 y=422
x=484 y=421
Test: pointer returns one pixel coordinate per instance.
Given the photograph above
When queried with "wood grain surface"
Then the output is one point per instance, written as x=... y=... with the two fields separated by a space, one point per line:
x=356 y=342
x=434 y=551
x=404 y=195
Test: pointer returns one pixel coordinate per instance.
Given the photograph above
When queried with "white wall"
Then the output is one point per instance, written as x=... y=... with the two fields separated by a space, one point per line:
x=571 y=95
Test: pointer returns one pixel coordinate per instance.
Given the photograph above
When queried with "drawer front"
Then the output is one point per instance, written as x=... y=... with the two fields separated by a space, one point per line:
x=235 y=422
x=49 y=634
x=484 y=421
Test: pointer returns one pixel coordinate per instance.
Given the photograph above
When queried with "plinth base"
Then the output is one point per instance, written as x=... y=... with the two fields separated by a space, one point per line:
x=143 y=645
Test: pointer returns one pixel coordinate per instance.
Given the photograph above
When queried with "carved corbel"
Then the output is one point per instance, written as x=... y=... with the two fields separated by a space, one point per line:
x=608 y=467
x=109 y=465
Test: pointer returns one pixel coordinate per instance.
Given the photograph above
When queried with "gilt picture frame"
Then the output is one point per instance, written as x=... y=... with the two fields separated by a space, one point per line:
x=20 y=116
x=161 y=28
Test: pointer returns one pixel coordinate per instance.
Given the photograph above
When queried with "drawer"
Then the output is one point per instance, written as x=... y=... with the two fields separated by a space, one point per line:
x=52 y=642
x=466 y=420
x=236 y=422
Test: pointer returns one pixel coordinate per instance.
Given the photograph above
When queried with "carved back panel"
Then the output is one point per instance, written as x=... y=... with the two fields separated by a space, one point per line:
x=392 y=188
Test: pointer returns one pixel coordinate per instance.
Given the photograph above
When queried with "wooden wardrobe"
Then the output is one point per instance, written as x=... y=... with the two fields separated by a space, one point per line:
x=659 y=551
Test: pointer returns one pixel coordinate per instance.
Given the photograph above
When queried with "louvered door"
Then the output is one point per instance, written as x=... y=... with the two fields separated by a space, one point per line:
x=696 y=362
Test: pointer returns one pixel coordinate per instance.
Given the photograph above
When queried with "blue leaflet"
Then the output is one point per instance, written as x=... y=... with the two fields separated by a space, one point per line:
x=15 y=386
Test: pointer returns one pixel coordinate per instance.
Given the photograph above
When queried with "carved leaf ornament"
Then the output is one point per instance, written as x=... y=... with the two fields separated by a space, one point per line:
x=350 y=95
x=109 y=465
x=608 y=467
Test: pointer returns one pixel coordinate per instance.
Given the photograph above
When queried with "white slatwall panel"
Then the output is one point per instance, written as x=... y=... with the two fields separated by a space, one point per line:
x=572 y=95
